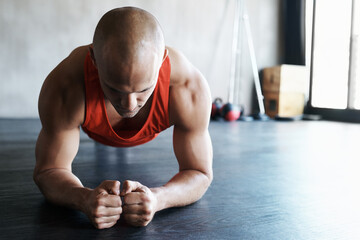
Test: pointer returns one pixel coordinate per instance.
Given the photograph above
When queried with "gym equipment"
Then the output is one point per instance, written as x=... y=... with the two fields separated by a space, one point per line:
x=216 y=109
x=240 y=10
x=230 y=112
x=232 y=109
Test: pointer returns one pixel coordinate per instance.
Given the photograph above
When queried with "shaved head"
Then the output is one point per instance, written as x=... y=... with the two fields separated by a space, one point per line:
x=129 y=35
x=128 y=51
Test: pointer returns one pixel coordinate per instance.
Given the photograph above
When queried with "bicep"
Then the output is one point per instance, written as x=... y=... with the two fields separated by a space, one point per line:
x=193 y=150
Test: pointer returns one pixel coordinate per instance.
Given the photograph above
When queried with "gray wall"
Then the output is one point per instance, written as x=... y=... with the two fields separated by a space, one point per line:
x=36 y=35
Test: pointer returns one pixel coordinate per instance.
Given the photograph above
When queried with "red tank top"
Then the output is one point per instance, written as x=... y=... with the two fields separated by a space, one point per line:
x=97 y=125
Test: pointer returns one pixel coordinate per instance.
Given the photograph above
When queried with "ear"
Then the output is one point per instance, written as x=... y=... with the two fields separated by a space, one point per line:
x=92 y=55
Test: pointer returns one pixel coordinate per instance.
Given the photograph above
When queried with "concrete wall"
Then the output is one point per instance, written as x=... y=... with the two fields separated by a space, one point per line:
x=36 y=35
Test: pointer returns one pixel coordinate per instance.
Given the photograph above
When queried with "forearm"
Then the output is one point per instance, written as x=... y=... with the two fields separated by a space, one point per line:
x=62 y=187
x=184 y=188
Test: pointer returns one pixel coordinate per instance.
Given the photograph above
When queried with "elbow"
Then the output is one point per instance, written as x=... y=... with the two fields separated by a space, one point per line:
x=37 y=180
x=36 y=177
x=209 y=177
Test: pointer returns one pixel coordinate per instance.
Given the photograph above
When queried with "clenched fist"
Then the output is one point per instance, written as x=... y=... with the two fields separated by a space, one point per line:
x=139 y=203
x=103 y=205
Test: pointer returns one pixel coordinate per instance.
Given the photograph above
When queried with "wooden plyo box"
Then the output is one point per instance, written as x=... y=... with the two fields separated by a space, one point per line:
x=284 y=89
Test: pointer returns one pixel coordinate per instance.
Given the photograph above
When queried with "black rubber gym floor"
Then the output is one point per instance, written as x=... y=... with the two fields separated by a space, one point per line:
x=272 y=180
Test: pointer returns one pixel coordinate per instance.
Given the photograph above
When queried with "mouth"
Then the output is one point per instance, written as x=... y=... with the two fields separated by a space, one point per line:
x=126 y=113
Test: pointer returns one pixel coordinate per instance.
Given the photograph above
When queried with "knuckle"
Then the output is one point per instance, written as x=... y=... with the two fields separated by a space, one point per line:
x=99 y=201
x=147 y=210
x=96 y=212
x=147 y=218
x=101 y=226
x=118 y=202
x=145 y=198
x=144 y=223
x=97 y=221
x=98 y=224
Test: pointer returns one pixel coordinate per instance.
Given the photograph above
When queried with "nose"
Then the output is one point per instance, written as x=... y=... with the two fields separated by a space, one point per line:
x=129 y=102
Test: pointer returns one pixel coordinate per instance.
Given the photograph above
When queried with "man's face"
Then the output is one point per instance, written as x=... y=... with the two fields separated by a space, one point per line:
x=128 y=83
x=127 y=103
x=129 y=90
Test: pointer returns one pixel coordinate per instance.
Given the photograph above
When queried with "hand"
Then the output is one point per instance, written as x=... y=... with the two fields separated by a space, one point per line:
x=103 y=205
x=139 y=203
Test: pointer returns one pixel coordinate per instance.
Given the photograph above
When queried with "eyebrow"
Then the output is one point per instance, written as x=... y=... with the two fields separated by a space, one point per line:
x=141 y=91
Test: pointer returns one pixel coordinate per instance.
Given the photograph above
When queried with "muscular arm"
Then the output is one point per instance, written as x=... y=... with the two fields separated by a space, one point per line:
x=61 y=109
x=189 y=112
x=58 y=141
x=190 y=104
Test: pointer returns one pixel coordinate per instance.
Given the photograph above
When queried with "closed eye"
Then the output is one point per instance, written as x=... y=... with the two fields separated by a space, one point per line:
x=146 y=89
x=117 y=91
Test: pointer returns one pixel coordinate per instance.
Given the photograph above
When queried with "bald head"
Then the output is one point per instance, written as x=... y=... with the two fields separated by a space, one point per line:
x=129 y=35
x=128 y=49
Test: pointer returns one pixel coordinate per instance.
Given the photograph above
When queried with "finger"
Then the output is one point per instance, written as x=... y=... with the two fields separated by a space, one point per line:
x=106 y=222
x=133 y=198
x=137 y=220
x=136 y=209
x=107 y=212
x=104 y=225
x=110 y=201
x=109 y=219
x=130 y=186
x=111 y=186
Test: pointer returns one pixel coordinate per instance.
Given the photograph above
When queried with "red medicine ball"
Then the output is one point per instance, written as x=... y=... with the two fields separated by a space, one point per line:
x=230 y=112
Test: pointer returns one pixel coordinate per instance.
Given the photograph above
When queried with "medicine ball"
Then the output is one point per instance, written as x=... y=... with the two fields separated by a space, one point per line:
x=215 y=109
x=230 y=112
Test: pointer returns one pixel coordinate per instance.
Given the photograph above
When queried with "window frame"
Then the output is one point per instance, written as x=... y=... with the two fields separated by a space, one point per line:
x=343 y=115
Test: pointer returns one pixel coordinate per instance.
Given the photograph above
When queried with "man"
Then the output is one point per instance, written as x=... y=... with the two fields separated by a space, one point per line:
x=124 y=96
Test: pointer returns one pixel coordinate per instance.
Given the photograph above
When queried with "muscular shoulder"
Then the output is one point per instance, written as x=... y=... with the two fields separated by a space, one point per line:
x=190 y=100
x=62 y=97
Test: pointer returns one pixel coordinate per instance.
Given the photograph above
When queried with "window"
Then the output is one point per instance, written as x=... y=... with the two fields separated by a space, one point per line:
x=335 y=59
